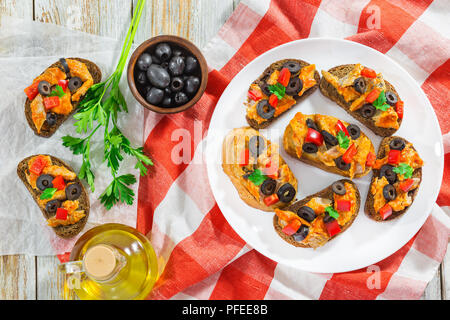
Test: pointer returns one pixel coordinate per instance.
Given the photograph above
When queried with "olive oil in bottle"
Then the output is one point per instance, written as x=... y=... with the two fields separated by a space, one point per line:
x=110 y=262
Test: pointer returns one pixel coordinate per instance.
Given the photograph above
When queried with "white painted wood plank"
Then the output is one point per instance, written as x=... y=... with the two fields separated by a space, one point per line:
x=18 y=272
x=17 y=8
x=446 y=275
x=196 y=20
x=48 y=286
x=109 y=18
x=17 y=277
x=433 y=290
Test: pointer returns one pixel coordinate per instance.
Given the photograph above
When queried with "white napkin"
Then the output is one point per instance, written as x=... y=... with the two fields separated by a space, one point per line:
x=26 y=49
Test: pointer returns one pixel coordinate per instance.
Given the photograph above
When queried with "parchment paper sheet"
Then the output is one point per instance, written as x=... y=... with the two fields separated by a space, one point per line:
x=26 y=49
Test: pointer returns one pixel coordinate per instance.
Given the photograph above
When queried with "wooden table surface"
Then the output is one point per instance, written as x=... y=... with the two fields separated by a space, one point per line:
x=29 y=277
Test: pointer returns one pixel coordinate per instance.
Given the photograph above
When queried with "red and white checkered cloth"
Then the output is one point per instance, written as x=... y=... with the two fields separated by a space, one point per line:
x=203 y=258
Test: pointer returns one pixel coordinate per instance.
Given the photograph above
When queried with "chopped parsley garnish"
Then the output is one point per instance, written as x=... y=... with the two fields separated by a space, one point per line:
x=404 y=169
x=278 y=89
x=343 y=140
x=380 y=102
x=58 y=91
x=48 y=193
x=257 y=177
x=332 y=212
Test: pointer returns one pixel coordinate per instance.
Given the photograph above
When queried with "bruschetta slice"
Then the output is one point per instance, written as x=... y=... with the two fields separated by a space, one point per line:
x=257 y=171
x=319 y=218
x=281 y=86
x=329 y=144
x=397 y=174
x=55 y=94
x=365 y=95
x=57 y=191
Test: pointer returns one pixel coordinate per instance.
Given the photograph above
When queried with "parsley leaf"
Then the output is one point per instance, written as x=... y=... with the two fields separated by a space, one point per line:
x=343 y=140
x=404 y=169
x=278 y=89
x=257 y=177
x=58 y=91
x=118 y=190
x=380 y=102
x=332 y=212
x=48 y=193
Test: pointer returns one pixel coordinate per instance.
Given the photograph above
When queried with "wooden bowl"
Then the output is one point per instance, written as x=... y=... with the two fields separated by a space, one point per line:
x=177 y=41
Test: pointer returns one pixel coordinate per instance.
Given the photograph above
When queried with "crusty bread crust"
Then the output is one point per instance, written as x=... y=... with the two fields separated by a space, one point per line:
x=46 y=130
x=261 y=79
x=61 y=231
x=290 y=149
x=368 y=208
x=244 y=194
x=325 y=193
x=330 y=92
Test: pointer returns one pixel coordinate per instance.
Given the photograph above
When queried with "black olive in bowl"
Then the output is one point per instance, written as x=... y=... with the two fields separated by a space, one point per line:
x=176 y=74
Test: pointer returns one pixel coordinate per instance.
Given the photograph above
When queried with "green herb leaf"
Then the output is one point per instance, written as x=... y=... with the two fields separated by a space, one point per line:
x=380 y=102
x=48 y=193
x=76 y=145
x=343 y=140
x=332 y=212
x=118 y=190
x=404 y=169
x=278 y=89
x=58 y=91
x=257 y=177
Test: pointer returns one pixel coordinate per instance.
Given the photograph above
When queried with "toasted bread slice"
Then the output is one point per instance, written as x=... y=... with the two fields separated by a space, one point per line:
x=46 y=130
x=326 y=193
x=331 y=92
x=291 y=143
x=62 y=231
x=231 y=150
x=266 y=74
x=369 y=205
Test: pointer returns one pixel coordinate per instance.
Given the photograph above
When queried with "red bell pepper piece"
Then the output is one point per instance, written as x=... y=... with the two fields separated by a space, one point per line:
x=58 y=183
x=406 y=185
x=386 y=211
x=63 y=84
x=340 y=126
x=350 y=153
x=370 y=160
x=399 y=109
x=51 y=102
x=344 y=205
x=333 y=228
x=245 y=158
x=61 y=214
x=273 y=100
x=271 y=170
x=38 y=165
x=292 y=227
x=314 y=136
x=368 y=73
x=32 y=91
x=271 y=200
x=394 y=156
x=373 y=95
x=284 y=77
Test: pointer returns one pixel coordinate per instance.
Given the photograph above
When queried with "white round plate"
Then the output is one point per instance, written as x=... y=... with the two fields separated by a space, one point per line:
x=366 y=241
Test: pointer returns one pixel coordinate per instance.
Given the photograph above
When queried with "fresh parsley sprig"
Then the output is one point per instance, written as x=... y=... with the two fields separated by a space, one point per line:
x=342 y=139
x=404 y=169
x=100 y=108
x=380 y=102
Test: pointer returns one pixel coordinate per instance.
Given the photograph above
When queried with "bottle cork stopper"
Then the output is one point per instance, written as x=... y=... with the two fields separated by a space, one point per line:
x=100 y=261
